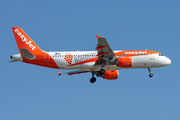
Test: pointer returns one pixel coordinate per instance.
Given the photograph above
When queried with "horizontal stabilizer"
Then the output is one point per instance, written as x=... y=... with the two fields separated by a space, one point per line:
x=26 y=54
x=73 y=72
x=13 y=61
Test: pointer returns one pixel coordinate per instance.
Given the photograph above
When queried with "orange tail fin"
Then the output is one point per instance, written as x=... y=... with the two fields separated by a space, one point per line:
x=24 y=41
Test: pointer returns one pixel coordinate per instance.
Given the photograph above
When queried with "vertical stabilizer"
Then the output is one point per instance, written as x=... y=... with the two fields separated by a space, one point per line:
x=24 y=41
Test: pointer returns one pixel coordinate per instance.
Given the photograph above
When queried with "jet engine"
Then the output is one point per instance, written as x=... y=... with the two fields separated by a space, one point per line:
x=124 y=62
x=110 y=75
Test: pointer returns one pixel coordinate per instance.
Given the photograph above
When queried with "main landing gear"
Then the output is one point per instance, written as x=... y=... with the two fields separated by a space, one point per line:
x=93 y=79
x=150 y=73
x=101 y=72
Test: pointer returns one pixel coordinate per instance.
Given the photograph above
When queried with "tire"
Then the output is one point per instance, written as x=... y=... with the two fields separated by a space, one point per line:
x=93 y=79
x=150 y=75
x=101 y=72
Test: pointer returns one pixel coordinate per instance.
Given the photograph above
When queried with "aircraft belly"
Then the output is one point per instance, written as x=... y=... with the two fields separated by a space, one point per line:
x=90 y=67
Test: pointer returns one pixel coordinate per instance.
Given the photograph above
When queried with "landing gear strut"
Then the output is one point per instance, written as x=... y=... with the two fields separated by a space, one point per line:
x=93 y=79
x=150 y=73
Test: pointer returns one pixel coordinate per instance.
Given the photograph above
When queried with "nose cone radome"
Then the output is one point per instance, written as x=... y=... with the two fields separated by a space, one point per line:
x=167 y=61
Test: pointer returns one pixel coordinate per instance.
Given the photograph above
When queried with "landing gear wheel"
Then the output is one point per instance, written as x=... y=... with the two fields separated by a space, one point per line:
x=101 y=72
x=93 y=79
x=150 y=75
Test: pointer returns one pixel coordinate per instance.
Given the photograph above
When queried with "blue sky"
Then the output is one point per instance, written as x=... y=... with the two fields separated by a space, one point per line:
x=31 y=92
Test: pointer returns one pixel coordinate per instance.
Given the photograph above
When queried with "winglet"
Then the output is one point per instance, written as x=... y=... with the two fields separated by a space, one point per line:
x=59 y=73
x=97 y=36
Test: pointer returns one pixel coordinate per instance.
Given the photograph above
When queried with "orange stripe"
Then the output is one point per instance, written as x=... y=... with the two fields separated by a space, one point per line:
x=102 y=53
x=130 y=53
x=86 y=61
x=100 y=47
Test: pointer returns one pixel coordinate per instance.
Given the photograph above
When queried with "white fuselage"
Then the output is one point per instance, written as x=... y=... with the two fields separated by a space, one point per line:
x=141 y=61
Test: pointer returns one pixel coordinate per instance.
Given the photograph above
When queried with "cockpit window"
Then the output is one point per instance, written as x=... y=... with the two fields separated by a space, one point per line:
x=160 y=54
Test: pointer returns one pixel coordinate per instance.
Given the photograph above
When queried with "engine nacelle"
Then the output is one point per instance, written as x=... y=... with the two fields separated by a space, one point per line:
x=124 y=62
x=111 y=75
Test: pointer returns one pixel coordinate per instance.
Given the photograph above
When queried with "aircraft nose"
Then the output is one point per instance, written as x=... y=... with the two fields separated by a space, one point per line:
x=167 y=61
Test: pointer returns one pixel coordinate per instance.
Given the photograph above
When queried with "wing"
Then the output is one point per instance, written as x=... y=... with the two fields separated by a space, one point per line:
x=104 y=50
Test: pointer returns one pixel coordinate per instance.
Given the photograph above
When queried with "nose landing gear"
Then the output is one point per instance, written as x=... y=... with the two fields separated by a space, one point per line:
x=150 y=73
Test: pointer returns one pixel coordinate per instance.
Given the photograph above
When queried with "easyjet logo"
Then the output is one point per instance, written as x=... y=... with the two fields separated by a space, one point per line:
x=24 y=39
x=136 y=52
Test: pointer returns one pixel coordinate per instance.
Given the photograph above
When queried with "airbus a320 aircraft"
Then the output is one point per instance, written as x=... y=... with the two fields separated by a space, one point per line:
x=104 y=62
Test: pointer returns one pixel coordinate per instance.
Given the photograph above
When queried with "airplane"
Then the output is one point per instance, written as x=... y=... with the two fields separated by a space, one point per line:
x=104 y=62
